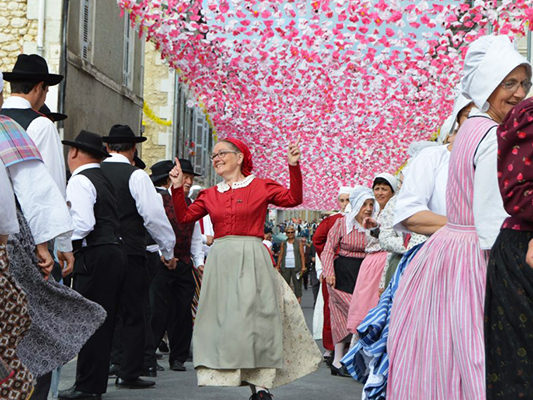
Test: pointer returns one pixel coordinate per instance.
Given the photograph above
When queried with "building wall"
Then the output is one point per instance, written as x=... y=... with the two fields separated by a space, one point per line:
x=97 y=95
x=159 y=82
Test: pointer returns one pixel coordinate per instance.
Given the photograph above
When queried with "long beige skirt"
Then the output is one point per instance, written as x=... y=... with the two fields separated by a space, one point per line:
x=249 y=327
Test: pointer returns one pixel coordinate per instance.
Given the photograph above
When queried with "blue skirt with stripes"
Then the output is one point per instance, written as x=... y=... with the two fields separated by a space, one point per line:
x=368 y=361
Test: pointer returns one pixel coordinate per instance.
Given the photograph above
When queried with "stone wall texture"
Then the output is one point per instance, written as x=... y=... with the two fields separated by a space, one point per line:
x=159 y=97
x=15 y=30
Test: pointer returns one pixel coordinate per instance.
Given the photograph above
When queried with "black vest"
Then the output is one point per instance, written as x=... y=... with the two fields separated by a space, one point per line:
x=23 y=116
x=132 y=229
x=149 y=239
x=106 y=229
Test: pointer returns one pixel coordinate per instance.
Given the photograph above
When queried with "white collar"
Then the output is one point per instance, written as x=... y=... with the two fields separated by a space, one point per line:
x=84 y=167
x=224 y=187
x=16 y=102
x=117 y=158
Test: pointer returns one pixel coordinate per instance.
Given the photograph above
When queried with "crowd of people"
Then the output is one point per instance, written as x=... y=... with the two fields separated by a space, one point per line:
x=423 y=282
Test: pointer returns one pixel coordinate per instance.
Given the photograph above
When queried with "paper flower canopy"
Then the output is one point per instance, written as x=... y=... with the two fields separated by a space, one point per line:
x=358 y=80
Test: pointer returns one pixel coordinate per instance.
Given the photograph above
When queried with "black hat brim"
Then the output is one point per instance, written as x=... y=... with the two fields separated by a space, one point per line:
x=87 y=147
x=49 y=79
x=190 y=172
x=123 y=139
x=57 y=116
x=158 y=177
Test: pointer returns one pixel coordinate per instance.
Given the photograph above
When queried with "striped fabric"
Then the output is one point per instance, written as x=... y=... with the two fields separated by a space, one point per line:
x=368 y=361
x=15 y=144
x=436 y=346
x=352 y=245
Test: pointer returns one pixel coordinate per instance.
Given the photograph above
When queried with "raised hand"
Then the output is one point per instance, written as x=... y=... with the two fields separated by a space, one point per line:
x=176 y=175
x=294 y=153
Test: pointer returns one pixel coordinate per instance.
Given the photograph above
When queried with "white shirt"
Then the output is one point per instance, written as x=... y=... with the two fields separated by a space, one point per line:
x=42 y=204
x=150 y=207
x=318 y=267
x=290 y=262
x=44 y=134
x=268 y=244
x=8 y=211
x=208 y=231
x=424 y=186
x=81 y=195
x=197 y=246
x=489 y=212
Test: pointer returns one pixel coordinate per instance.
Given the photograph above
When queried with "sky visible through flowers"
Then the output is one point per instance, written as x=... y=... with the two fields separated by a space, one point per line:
x=358 y=80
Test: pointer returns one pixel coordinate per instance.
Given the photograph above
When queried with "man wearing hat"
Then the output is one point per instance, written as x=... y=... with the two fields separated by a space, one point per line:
x=100 y=260
x=140 y=209
x=173 y=288
x=30 y=80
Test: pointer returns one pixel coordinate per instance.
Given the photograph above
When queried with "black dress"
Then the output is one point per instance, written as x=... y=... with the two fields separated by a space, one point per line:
x=509 y=318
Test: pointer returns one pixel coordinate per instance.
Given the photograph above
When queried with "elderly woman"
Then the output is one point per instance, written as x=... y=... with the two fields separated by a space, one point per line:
x=366 y=292
x=342 y=258
x=509 y=297
x=249 y=328
x=436 y=343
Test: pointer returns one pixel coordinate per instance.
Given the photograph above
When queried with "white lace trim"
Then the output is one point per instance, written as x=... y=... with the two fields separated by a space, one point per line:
x=224 y=187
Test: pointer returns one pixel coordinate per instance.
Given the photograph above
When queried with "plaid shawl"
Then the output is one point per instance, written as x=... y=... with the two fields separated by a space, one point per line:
x=15 y=144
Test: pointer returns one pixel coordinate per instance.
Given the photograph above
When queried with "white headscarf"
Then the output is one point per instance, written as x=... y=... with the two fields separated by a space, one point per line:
x=488 y=61
x=358 y=197
x=389 y=178
x=417 y=147
x=345 y=190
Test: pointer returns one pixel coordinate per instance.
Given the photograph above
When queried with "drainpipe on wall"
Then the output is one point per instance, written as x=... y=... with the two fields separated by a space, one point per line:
x=63 y=60
x=40 y=28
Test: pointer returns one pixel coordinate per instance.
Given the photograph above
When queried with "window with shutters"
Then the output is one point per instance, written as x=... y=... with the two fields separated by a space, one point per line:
x=86 y=29
x=129 y=47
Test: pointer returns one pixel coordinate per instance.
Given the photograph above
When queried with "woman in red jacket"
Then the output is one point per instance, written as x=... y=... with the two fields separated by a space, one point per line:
x=249 y=328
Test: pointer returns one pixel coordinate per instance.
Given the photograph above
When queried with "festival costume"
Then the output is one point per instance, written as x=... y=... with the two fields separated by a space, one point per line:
x=99 y=266
x=435 y=343
x=272 y=345
x=366 y=292
x=58 y=331
x=319 y=240
x=509 y=296
x=140 y=207
x=351 y=252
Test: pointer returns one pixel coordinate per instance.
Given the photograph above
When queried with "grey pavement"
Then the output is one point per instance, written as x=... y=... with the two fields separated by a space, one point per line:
x=183 y=385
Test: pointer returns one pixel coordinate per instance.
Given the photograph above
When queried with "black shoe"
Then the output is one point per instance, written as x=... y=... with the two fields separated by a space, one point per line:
x=163 y=347
x=339 y=372
x=177 y=366
x=328 y=360
x=150 y=372
x=134 y=384
x=159 y=367
x=73 y=394
x=113 y=369
x=261 y=395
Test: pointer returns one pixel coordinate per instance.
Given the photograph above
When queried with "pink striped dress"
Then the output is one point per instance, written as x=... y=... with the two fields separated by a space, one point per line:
x=435 y=343
x=347 y=245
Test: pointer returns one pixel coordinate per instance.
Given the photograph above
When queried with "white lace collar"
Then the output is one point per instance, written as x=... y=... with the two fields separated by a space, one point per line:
x=224 y=187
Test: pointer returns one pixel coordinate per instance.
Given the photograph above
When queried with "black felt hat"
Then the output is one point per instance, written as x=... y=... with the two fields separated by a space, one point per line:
x=51 y=115
x=32 y=68
x=187 y=168
x=161 y=170
x=88 y=141
x=122 y=134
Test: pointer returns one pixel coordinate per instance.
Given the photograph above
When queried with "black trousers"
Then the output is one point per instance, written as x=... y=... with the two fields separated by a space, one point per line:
x=129 y=339
x=150 y=347
x=42 y=387
x=98 y=276
x=173 y=292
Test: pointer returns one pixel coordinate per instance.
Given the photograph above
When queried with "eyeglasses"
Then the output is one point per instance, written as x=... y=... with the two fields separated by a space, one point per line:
x=512 y=85
x=290 y=231
x=222 y=154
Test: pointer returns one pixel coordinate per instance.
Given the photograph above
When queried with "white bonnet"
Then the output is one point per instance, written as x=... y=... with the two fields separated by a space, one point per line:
x=389 y=178
x=488 y=61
